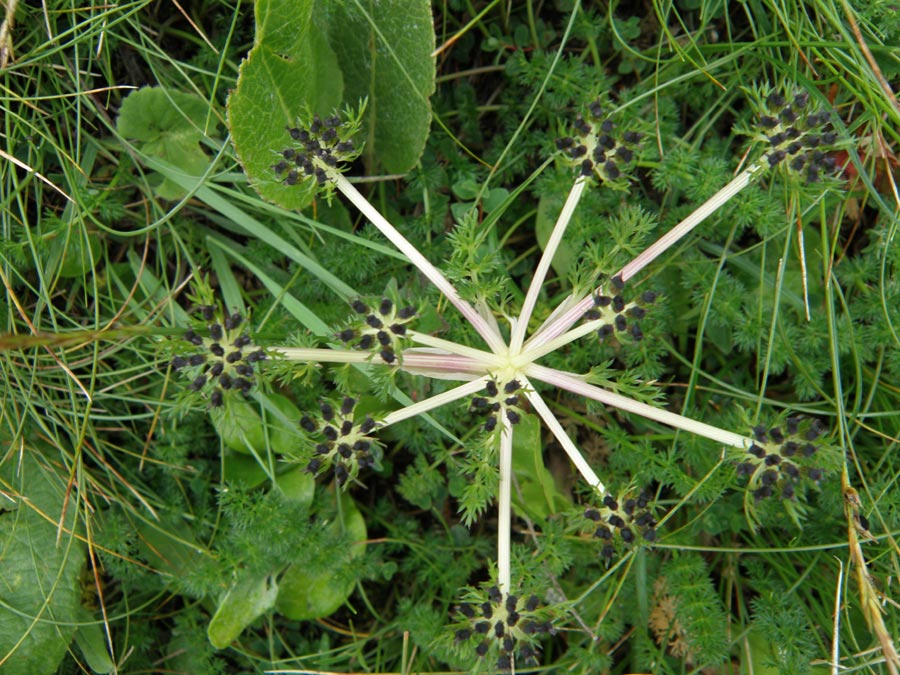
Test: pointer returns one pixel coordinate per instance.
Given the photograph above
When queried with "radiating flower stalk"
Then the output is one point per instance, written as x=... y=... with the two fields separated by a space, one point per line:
x=498 y=378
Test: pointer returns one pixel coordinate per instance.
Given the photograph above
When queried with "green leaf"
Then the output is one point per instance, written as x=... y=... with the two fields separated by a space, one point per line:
x=240 y=606
x=540 y=496
x=306 y=595
x=39 y=577
x=167 y=124
x=92 y=642
x=291 y=68
x=298 y=485
x=384 y=49
x=241 y=427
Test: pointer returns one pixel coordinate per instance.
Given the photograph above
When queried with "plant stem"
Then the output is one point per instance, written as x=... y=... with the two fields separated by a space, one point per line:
x=537 y=281
x=559 y=325
x=504 y=508
x=434 y=402
x=490 y=336
x=572 y=451
x=576 y=385
x=311 y=355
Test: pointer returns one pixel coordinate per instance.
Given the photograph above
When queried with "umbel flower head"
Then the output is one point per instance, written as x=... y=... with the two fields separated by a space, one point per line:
x=344 y=444
x=782 y=462
x=622 y=522
x=499 y=377
x=223 y=359
x=502 y=627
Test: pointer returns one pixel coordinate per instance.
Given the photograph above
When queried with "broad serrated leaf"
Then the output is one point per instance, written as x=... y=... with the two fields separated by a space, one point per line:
x=167 y=124
x=39 y=577
x=240 y=606
x=385 y=53
x=291 y=68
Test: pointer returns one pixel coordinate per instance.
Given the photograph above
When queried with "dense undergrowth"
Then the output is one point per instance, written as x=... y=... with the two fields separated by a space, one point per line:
x=150 y=524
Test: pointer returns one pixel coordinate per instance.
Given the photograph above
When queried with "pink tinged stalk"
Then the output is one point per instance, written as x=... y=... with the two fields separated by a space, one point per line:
x=537 y=281
x=557 y=326
x=504 y=508
x=573 y=452
x=488 y=333
x=577 y=385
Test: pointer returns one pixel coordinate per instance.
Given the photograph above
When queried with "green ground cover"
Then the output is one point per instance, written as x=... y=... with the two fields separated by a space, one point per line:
x=336 y=338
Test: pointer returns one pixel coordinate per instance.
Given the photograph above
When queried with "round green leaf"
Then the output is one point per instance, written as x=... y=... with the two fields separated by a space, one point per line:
x=169 y=125
x=305 y=595
x=239 y=607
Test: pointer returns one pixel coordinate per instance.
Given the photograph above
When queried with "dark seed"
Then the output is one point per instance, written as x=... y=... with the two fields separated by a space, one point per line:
x=603 y=532
x=258 y=355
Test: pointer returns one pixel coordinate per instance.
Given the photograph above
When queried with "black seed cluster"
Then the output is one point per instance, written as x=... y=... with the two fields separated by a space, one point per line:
x=504 y=625
x=597 y=148
x=618 y=316
x=629 y=518
x=781 y=458
x=226 y=359
x=320 y=144
x=344 y=445
x=799 y=137
x=501 y=398
x=381 y=330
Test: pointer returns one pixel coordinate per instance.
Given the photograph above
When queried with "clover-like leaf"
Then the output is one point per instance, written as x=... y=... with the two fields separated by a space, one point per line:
x=166 y=124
